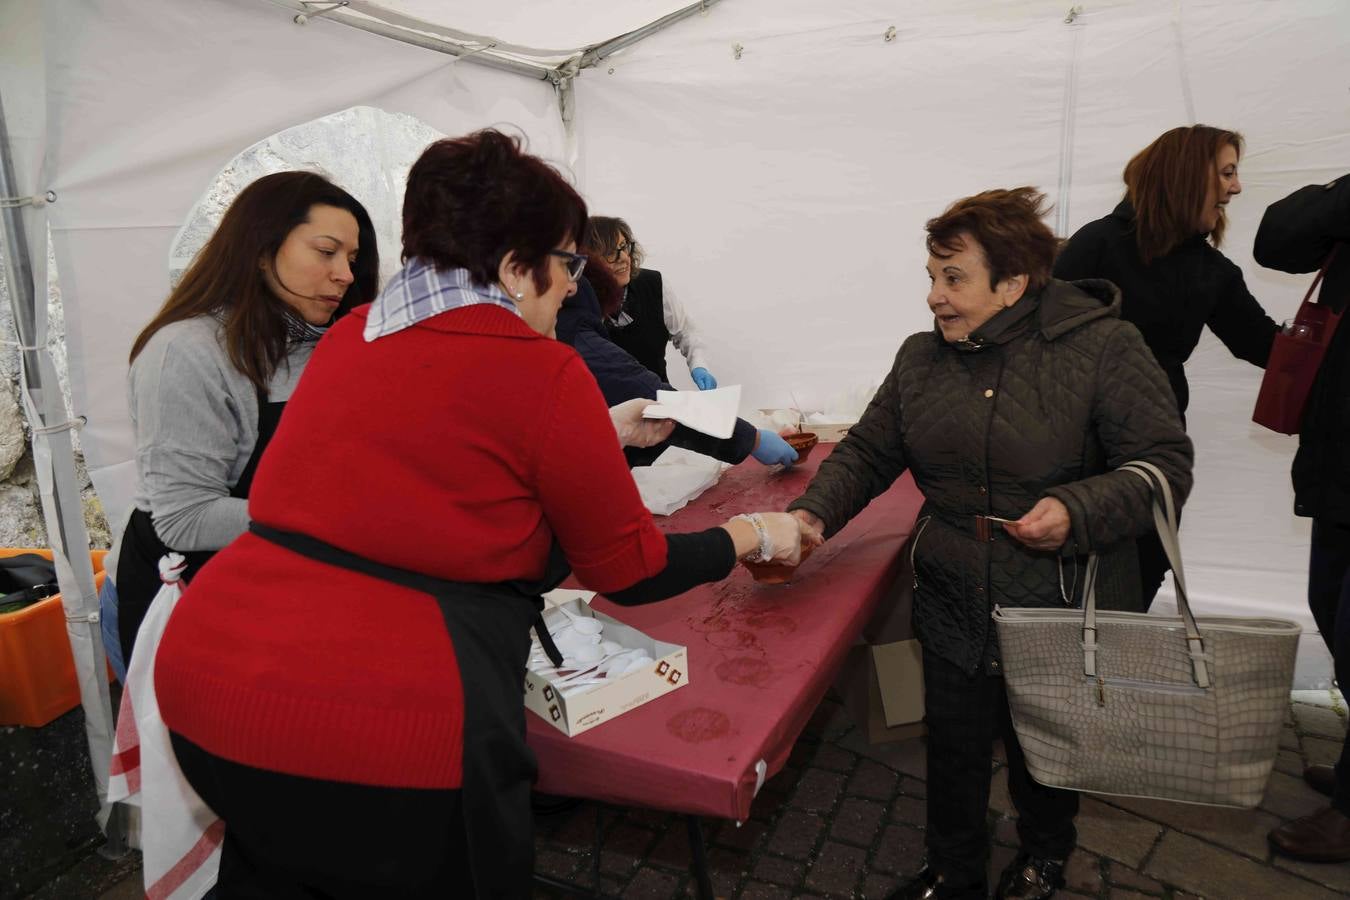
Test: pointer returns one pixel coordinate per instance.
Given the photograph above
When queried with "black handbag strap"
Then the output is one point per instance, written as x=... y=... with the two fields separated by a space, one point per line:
x=25 y=579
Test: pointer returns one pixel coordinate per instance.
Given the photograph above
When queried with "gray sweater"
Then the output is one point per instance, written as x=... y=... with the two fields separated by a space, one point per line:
x=196 y=422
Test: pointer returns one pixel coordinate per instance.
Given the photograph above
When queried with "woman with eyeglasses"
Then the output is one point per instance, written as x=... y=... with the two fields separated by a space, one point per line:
x=1160 y=246
x=622 y=378
x=343 y=683
x=650 y=316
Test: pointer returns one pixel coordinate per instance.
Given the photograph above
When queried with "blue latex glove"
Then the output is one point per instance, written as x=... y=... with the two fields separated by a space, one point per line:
x=703 y=378
x=773 y=450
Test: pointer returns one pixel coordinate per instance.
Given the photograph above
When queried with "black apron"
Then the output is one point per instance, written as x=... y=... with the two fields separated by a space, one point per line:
x=489 y=627
x=137 y=578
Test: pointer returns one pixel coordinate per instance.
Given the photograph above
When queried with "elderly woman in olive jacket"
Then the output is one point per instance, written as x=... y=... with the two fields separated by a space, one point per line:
x=1020 y=404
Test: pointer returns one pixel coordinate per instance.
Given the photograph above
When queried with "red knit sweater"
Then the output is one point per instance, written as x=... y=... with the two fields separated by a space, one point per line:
x=456 y=448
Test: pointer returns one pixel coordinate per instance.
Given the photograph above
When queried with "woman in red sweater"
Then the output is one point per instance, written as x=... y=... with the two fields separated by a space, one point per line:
x=343 y=683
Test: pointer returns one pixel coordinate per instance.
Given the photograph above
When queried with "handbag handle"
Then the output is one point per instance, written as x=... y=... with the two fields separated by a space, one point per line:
x=1326 y=263
x=1165 y=521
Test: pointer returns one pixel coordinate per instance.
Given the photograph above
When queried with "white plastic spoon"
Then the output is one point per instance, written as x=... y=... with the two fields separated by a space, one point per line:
x=616 y=663
x=583 y=624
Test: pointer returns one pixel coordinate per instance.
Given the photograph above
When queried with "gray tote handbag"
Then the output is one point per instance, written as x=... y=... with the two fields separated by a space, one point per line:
x=1171 y=707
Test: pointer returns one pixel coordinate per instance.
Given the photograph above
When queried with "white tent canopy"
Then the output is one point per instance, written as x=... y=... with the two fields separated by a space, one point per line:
x=777 y=158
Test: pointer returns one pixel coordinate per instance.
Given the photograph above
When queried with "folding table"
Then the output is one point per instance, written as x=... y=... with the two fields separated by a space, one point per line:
x=760 y=659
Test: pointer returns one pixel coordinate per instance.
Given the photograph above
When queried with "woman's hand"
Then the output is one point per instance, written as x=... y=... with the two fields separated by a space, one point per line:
x=786 y=537
x=813 y=528
x=635 y=431
x=1046 y=527
x=781 y=541
x=770 y=449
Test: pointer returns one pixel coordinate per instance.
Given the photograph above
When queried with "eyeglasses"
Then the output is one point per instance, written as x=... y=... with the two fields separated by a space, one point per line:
x=624 y=247
x=576 y=263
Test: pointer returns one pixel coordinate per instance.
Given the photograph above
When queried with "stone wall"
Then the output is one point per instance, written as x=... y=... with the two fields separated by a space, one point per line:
x=21 y=522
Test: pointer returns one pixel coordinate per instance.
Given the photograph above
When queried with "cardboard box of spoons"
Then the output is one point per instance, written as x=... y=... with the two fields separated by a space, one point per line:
x=608 y=668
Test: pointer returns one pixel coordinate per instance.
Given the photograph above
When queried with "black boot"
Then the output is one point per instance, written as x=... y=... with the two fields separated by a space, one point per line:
x=929 y=885
x=1030 y=878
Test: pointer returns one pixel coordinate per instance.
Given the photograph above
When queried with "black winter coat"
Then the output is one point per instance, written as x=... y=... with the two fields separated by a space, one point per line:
x=1048 y=398
x=621 y=377
x=1174 y=297
x=1296 y=235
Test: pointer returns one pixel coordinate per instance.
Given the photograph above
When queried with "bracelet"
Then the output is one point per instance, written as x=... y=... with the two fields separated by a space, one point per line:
x=765 y=549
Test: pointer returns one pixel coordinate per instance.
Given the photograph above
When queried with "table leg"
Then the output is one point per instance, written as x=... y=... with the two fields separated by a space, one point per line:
x=598 y=848
x=573 y=889
x=699 y=853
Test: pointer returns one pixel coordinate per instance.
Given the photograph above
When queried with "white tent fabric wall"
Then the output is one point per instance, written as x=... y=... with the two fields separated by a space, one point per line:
x=784 y=193
x=149 y=100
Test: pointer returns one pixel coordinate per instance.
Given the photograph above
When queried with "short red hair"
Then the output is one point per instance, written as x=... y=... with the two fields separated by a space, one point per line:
x=473 y=199
x=1009 y=225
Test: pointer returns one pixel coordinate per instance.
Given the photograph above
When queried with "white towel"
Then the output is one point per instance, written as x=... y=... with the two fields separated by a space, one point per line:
x=676 y=477
x=180 y=836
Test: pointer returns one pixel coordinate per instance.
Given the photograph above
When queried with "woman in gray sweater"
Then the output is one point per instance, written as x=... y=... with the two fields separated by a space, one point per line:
x=213 y=370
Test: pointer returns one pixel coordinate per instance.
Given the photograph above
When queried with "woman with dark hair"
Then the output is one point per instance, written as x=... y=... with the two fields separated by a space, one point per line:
x=622 y=378
x=343 y=683
x=1160 y=247
x=1013 y=414
x=212 y=371
x=649 y=315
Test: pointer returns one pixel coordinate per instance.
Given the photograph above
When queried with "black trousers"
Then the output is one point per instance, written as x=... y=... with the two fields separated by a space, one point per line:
x=964 y=713
x=288 y=838
x=1329 y=601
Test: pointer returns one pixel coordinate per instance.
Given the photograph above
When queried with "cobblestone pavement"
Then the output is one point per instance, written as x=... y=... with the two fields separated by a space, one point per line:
x=845 y=819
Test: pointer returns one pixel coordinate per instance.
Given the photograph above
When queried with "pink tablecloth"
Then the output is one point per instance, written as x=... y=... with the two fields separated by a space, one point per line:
x=760 y=659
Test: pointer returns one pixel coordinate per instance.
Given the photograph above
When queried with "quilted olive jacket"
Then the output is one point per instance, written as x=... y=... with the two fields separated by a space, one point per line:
x=1047 y=398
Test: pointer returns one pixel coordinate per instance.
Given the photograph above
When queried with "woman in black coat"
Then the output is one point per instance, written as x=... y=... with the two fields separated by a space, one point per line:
x=1298 y=234
x=1160 y=247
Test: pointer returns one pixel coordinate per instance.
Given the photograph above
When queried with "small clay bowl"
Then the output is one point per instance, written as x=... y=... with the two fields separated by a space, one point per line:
x=775 y=573
x=802 y=442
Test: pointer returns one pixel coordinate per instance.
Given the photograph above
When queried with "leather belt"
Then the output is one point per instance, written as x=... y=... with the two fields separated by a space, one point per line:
x=985 y=529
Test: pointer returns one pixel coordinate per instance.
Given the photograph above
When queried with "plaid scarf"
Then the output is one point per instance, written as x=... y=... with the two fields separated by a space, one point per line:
x=420 y=291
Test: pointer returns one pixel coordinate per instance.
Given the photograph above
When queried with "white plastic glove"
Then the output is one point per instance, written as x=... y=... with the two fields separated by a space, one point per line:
x=781 y=538
x=635 y=431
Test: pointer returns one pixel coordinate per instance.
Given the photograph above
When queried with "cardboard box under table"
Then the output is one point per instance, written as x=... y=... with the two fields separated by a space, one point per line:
x=581 y=712
x=881 y=682
x=760 y=659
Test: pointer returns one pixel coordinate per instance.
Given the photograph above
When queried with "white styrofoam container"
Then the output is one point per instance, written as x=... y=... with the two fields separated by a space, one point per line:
x=572 y=715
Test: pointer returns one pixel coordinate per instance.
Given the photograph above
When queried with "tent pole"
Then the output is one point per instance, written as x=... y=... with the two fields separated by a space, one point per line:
x=475 y=55
x=593 y=56
x=62 y=508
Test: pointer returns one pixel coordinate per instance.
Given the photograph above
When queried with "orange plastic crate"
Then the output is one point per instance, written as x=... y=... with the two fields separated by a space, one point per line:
x=37 y=670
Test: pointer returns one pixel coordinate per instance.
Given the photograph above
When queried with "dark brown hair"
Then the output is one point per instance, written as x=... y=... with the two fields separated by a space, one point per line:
x=225 y=280
x=1009 y=225
x=604 y=233
x=1167 y=183
x=472 y=200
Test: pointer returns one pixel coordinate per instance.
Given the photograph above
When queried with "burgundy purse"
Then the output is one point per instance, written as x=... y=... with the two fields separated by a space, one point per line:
x=1294 y=360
